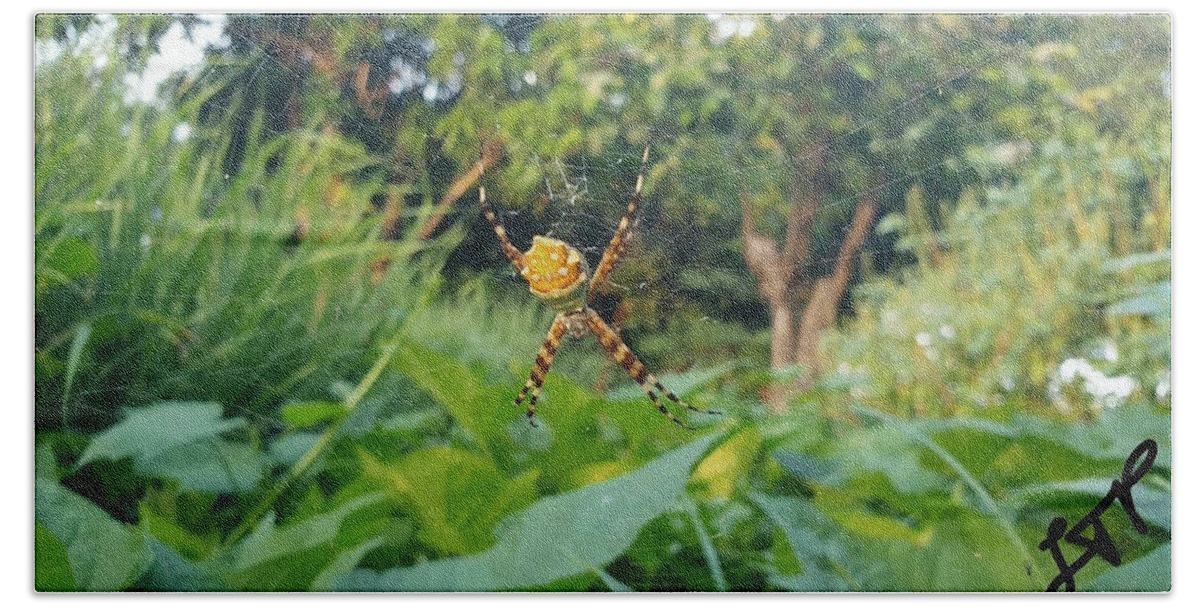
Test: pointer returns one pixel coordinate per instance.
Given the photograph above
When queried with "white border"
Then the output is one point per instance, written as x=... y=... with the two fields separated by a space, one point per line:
x=16 y=240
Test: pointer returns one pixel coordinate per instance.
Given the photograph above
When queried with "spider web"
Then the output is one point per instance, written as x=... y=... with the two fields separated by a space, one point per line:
x=585 y=198
x=583 y=202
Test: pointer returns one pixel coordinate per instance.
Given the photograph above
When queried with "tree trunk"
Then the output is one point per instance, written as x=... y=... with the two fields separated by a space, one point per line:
x=783 y=284
x=827 y=293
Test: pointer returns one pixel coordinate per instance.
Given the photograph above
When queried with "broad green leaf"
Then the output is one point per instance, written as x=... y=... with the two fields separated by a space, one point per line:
x=343 y=563
x=966 y=552
x=51 y=566
x=892 y=451
x=304 y=415
x=556 y=537
x=169 y=533
x=211 y=465
x=681 y=384
x=815 y=542
x=458 y=496
x=867 y=525
x=172 y=572
x=806 y=467
x=288 y=557
x=727 y=465
x=1153 y=505
x=453 y=386
x=1112 y=436
x=564 y=446
x=1151 y=572
x=44 y=462
x=105 y=555
x=149 y=431
x=288 y=449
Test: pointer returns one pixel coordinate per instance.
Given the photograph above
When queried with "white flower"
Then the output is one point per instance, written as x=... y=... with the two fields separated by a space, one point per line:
x=1007 y=383
x=1108 y=392
x=182 y=131
x=1163 y=389
x=1107 y=351
x=924 y=339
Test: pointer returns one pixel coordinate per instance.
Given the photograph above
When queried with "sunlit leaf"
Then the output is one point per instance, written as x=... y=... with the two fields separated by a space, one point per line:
x=554 y=538
x=51 y=565
x=72 y=258
x=1152 y=505
x=458 y=496
x=312 y=413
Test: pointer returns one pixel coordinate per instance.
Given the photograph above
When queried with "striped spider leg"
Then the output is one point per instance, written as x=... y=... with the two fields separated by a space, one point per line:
x=557 y=273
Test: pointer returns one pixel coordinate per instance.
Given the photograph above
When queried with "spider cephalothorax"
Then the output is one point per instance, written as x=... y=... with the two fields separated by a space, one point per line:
x=558 y=274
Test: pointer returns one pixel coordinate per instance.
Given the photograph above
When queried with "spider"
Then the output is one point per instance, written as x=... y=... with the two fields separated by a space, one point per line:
x=558 y=274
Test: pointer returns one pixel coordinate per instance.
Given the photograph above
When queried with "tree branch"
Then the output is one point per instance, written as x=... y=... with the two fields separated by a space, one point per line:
x=492 y=153
x=762 y=256
x=821 y=310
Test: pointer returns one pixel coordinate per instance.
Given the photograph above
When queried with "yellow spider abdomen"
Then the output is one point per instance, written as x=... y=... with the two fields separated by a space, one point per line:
x=553 y=268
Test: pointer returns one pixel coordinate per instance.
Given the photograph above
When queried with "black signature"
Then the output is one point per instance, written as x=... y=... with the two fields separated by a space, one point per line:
x=1101 y=543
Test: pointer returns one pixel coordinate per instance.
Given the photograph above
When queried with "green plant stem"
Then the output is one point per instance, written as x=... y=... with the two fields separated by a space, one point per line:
x=710 y=551
x=81 y=337
x=301 y=466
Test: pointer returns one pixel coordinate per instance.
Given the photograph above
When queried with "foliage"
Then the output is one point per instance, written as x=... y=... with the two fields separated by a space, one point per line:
x=160 y=277
x=270 y=357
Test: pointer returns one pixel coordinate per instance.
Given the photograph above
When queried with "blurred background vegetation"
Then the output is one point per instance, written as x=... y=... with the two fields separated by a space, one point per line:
x=921 y=263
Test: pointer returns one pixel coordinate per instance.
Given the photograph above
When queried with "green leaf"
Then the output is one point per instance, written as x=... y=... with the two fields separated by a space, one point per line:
x=45 y=464
x=73 y=357
x=1112 y=436
x=681 y=384
x=1152 y=300
x=51 y=566
x=72 y=258
x=815 y=541
x=104 y=554
x=289 y=557
x=304 y=415
x=1151 y=572
x=556 y=537
x=343 y=563
x=458 y=496
x=288 y=449
x=172 y=572
x=807 y=467
x=213 y=465
x=1153 y=505
x=1138 y=260
x=892 y=451
x=150 y=431
x=453 y=386
x=169 y=533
